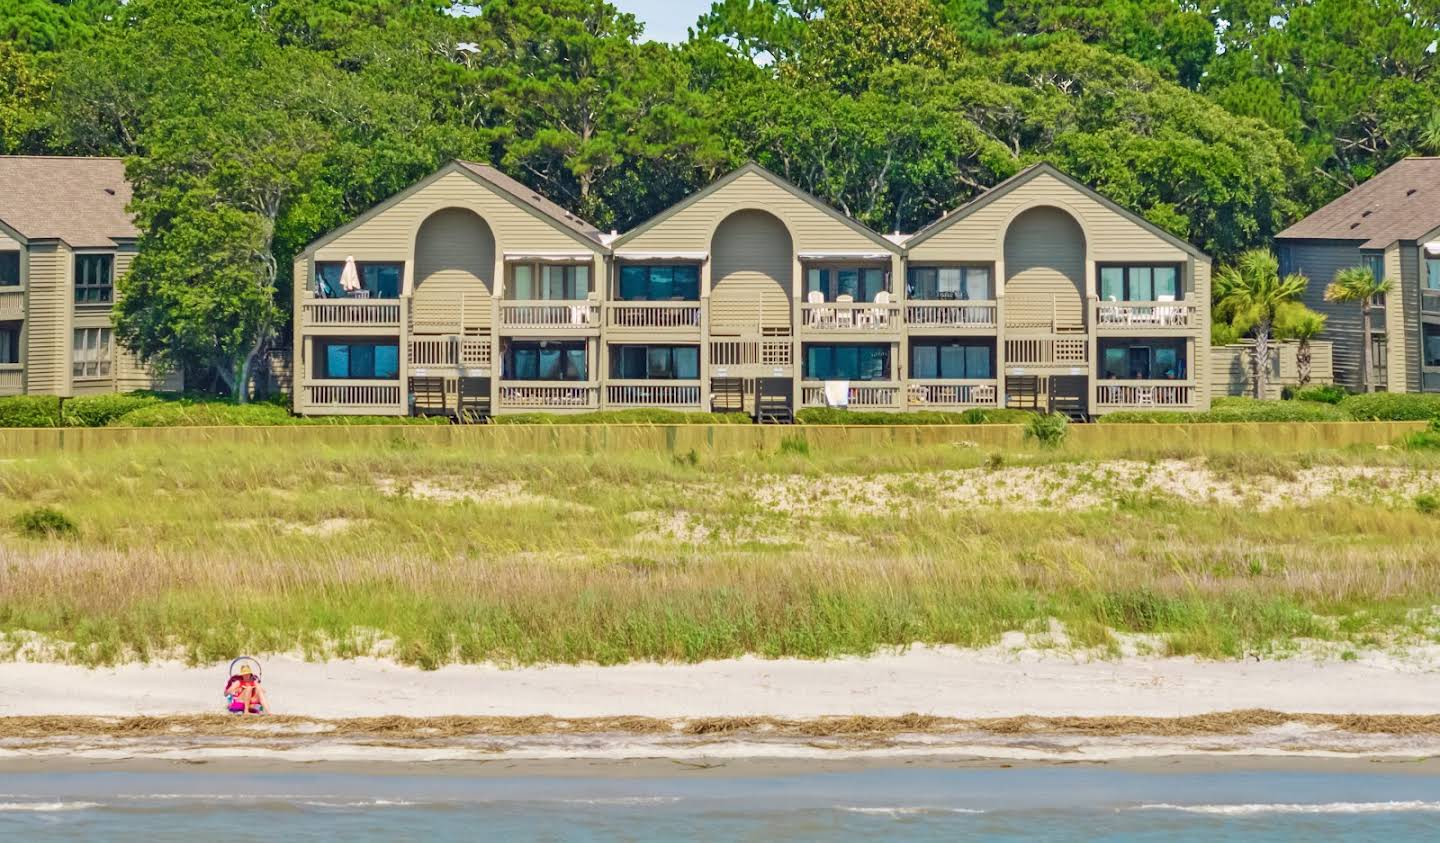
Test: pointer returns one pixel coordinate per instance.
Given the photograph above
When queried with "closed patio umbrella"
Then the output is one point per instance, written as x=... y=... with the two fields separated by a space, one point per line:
x=350 y=276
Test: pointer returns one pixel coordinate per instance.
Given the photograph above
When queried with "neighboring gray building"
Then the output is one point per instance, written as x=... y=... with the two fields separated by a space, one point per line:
x=1390 y=225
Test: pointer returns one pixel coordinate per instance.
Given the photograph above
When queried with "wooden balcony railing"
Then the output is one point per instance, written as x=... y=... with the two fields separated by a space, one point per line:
x=1148 y=314
x=353 y=395
x=878 y=395
x=1143 y=394
x=467 y=352
x=12 y=303
x=769 y=352
x=550 y=314
x=12 y=378
x=1045 y=351
x=350 y=313
x=652 y=394
x=968 y=314
x=859 y=317
x=953 y=393
x=548 y=395
x=653 y=314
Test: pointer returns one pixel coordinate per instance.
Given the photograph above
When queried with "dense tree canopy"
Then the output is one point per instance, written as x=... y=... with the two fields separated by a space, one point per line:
x=250 y=129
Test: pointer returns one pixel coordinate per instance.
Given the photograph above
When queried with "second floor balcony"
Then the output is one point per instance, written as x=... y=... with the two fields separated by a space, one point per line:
x=1120 y=316
x=350 y=313
x=881 y=316
x=683 y=315
x=12 y=302
x=951 y=315
x=578 y=315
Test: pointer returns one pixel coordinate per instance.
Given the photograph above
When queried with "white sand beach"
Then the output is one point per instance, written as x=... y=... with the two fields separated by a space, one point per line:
x=943 y=681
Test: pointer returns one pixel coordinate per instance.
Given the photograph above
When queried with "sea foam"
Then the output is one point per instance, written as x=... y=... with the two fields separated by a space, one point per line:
x=1244 y=809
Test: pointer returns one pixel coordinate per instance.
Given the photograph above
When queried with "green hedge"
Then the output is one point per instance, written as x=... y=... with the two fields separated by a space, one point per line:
x=187 y=412
x=100 y=410
x=30 y=411
x=639 y=415
x=977 y=415
x=1392 y=406
x=1235 y=410
x=1325 y=393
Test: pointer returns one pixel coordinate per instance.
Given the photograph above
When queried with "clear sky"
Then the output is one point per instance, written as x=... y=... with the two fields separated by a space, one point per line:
x=665 y=20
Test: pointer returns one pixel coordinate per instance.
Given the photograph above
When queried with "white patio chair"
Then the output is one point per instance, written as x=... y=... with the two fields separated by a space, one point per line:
x=817 y=314
x=844 y=316
x=881 y=313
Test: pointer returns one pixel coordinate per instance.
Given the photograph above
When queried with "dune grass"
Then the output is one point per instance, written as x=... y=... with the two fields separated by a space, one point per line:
x=437 y=555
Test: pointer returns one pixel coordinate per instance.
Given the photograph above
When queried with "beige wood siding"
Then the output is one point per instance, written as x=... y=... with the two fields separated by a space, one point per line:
x=8 y=243
x=454 y=270
x=1402 y=323
x=1111 y=236
x=390 y=234
x=752 y=275
x=48 y=326
x=690 y=228
x=1200 y=279
x=1319 y=261
x=1230 y=368
x=1044 y=270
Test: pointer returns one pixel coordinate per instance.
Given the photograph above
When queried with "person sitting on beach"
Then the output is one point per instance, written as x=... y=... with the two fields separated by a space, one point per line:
x=244 y=692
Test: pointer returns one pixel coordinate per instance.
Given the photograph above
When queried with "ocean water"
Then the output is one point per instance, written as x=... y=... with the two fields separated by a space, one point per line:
x=903 y=803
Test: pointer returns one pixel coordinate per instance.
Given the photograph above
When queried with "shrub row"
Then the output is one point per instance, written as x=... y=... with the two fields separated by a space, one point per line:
x=1236 y=410
x=140 y=409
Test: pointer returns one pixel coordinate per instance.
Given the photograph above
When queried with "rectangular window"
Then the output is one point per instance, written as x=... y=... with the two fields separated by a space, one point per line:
x=9 y=345
x=94 y=281
x=92 y=353
x=655 y=362
x=672 y=282
x=9 y=269
x=548 y=282
x=358 y=360
x=1430 y=333
x=949 y=283
x=1140 y=283
x=378 y=280
x=952 y=359
x=1432 y=273
x=860 y=283
x=854 y=362
x=1142 y=359
x=545 y=360
x=1379 y=360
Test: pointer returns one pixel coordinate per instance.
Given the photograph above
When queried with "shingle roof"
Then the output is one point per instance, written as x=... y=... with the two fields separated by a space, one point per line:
x=1400 y=203
x=79 y=200
x=532 y=198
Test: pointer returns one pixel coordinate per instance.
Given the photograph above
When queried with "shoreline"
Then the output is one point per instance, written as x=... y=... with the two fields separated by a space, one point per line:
x=740 y=767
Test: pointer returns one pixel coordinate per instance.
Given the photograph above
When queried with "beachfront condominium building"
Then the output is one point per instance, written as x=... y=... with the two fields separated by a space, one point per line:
x=65 y=237
x=1390 y=225
x=468 y=292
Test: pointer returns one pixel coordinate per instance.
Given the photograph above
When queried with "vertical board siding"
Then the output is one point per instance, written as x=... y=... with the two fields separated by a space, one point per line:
x=753 y=259
x=690 y=228
x=48 y=320
x=1319 y=261
x=1045 y=270
x=454 y=270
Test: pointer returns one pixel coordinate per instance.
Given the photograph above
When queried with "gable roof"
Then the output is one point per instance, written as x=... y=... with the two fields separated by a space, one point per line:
x=513 y=191
x=1401 y=202
x=778 y=181
x=1029 y=174
x=78 y=200
x=525 y=196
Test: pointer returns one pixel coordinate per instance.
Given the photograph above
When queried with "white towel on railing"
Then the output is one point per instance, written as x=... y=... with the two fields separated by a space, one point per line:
x=837 y=393
x=579 y=314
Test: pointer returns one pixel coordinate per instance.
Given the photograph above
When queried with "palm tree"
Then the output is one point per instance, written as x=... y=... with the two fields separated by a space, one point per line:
x=1251 y=291
x=1297 y=322
x=1359 y=284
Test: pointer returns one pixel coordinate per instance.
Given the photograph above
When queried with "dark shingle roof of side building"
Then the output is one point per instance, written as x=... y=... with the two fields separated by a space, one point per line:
x=78 y=200
x=1402 y=202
